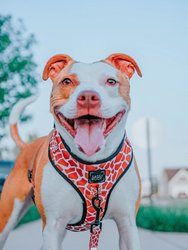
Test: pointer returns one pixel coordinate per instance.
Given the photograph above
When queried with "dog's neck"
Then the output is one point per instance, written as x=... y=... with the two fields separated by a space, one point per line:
x=111 y=144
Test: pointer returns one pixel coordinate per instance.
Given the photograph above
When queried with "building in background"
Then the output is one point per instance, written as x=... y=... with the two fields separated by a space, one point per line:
x=174 y=183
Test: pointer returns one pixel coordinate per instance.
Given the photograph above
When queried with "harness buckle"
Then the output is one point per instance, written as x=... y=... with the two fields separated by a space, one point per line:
x=30 y=175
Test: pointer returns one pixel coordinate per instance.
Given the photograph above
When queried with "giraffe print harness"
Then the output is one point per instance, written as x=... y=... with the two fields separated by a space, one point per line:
x=93 y=182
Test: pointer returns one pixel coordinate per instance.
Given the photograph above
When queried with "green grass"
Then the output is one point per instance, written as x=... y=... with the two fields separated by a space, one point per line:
x=163 y=219
x=149 y=217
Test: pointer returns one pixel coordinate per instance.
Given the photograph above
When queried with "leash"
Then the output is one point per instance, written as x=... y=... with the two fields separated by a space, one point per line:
x=96 y=226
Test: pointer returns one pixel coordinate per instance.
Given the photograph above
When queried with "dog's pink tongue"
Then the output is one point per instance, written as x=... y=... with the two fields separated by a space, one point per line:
x=89 y=136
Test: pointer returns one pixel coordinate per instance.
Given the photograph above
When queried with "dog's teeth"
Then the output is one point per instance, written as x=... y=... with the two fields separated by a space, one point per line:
x=104 y=125
x=75 y=125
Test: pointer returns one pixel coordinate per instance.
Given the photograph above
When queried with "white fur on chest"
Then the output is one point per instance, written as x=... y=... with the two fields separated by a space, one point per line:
x=59 y=198
x=61 y=201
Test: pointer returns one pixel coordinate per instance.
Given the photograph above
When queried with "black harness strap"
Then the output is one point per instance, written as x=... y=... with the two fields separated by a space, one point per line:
x=30 y=178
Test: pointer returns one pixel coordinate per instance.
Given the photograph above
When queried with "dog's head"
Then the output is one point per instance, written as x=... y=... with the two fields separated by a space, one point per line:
x=90 y=102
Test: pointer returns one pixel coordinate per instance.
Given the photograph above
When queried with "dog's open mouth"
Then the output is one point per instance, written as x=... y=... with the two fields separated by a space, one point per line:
x=89 y=131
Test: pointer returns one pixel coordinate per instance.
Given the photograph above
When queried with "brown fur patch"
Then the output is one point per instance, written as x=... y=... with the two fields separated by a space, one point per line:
x=15 y=135
x=61 y=93
x=17 y=185
x=124 y=87
x=41 y=161
x=140 y=188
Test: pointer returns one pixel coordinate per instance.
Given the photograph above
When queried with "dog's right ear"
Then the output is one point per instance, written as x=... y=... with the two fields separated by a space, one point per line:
x=54 y=65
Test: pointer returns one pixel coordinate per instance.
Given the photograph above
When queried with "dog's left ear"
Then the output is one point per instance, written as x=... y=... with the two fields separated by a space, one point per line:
x=54 y=65
x=124 y=63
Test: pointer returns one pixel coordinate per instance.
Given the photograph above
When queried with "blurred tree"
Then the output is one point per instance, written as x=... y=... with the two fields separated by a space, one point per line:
x=18 y=76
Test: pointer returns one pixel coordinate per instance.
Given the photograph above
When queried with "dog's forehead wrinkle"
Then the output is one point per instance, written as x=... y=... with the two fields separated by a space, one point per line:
x=93 y=71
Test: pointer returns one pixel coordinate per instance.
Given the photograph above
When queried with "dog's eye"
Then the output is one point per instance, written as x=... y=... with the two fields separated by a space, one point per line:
x=111 y=82
x=66 y=81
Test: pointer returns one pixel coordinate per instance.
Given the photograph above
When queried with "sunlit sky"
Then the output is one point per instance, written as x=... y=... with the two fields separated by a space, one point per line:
x=154 y=33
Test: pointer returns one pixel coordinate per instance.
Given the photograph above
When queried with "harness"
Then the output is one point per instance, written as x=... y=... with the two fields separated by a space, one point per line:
x=94 y=182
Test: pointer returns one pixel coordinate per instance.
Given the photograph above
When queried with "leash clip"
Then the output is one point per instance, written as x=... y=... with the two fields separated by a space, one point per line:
x=96 y=203
x=94 y=225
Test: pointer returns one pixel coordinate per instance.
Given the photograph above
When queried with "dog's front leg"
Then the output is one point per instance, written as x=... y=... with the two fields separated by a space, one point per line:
x=53 y=235
x=128 y=233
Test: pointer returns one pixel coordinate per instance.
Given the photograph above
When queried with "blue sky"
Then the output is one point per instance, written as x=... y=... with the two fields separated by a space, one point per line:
x=154 y=33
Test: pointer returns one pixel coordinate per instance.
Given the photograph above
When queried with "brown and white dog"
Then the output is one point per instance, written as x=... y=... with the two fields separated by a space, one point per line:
x=90 y=104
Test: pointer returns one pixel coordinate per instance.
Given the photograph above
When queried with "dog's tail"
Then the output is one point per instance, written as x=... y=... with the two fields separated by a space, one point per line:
x=14 y=118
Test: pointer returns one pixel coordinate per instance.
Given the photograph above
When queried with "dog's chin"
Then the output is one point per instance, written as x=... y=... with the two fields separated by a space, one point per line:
x=89 y=132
